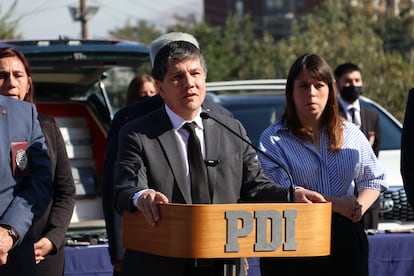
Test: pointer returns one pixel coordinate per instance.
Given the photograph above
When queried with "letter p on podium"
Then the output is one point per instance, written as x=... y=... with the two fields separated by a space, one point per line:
x=232 y=230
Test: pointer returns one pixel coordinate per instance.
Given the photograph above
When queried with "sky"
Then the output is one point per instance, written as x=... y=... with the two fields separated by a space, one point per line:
x=46 y=19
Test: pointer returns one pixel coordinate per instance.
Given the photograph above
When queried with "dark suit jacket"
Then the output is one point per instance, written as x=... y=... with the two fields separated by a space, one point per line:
x=113 y=220
x=370 y=126
x=22 y=198
x=407 y=149
x=55 y=221
x=149 y=157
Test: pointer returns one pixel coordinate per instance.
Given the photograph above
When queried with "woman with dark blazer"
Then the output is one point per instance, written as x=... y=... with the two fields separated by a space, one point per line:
x=50 y=229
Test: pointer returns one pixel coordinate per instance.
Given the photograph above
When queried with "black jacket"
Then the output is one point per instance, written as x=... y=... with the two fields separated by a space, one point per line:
x=407 y=149
x=55 y=221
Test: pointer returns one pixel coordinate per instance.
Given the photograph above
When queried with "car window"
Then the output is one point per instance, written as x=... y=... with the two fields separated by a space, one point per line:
x=257 y=114
x=255 y=124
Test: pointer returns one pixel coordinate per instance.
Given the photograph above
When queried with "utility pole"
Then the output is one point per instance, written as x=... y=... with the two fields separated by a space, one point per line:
x=83 y=13
x=84 y=25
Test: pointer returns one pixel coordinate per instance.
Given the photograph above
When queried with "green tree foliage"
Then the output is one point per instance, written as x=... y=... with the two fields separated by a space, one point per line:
x=333 y=32
x=142 y=32
x=8 y=26
x=234 y=51
x=397 y=33
x=343 y=33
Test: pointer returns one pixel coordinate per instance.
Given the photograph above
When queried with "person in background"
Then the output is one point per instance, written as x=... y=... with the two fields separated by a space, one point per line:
x=140 y=87
x=153 y=166
x=25 y=171
x=407 y=148
x=325 y=154
x=349 y=82
x=49 y=231
x=113 y=221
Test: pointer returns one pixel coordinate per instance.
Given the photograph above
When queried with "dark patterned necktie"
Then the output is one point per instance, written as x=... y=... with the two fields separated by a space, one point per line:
x=198 y=174
x=352 y=112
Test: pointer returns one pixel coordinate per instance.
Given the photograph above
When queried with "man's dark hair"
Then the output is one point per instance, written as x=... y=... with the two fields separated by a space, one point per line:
x=174 y=52
x=345 y=68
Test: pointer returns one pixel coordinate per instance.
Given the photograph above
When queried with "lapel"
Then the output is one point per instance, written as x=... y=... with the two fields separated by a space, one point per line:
x=364 y=119
x=341 y=110
x=169 y=144
x=4 y=133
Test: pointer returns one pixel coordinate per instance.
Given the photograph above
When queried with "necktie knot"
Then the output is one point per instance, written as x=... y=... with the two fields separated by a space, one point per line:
x=190 y=127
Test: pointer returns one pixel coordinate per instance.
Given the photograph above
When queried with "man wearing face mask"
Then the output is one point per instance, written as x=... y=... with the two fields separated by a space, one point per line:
x=349 y=83
x=348 y=78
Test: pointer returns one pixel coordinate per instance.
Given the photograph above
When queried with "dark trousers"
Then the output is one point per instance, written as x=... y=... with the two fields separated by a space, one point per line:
x=21 y=259
x=370 y=219
x=139 y=263
x=52 y=264
x=349 y=255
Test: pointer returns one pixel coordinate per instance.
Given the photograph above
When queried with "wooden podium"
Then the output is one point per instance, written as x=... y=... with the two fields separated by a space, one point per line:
x=232 y=230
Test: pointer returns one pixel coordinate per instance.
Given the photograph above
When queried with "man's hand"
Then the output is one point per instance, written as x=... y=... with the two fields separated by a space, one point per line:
x=6 y=243
x=41 y=248
x=147 y=204
x=117 y=266
x=303 y=195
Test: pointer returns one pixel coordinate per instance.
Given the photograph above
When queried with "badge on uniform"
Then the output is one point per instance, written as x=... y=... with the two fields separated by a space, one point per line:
x=19 y=158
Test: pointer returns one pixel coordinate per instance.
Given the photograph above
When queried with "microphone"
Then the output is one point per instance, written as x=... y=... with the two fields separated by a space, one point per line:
x=205 y=115
x=211 y=162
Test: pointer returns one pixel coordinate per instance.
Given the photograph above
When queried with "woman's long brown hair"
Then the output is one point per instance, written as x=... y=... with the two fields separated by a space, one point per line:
x=330 y=119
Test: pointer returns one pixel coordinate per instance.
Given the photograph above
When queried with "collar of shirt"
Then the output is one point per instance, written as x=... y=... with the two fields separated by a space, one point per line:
x=346 y=106
x=177 y=122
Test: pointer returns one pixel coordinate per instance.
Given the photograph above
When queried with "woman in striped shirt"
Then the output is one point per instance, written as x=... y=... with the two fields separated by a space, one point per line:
x=326 y=154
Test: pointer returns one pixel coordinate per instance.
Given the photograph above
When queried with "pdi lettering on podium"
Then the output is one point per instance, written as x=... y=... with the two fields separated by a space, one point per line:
x=262 y=217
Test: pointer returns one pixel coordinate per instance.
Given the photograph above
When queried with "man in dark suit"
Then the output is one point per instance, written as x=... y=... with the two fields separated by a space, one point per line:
x=25 y=183
x=152 y=165
x=113 y=221
x=407 y=148
x=349 y=82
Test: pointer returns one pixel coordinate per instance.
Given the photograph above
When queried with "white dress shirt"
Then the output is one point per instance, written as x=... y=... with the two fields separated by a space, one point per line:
x=357 y=113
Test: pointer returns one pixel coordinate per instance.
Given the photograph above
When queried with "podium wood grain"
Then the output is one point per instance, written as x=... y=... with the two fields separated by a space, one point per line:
x=199 y=231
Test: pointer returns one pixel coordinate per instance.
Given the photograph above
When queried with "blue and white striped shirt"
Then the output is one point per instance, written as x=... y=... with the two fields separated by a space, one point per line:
x=323 y=171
